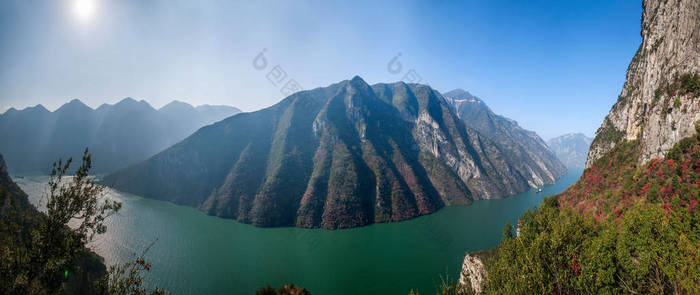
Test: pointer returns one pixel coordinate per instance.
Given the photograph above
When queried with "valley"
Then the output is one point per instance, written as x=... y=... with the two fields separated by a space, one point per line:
x=343 y=156
x=197 y=253
x=380 y=180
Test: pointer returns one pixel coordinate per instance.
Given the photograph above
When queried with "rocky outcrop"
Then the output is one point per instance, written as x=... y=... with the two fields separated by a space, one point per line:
x=571 y=149
x=528 y=151
x=341 y=156
x=659 y=102
x=473 y=274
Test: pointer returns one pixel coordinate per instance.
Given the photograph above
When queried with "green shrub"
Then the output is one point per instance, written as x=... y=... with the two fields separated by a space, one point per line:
x=690 y=84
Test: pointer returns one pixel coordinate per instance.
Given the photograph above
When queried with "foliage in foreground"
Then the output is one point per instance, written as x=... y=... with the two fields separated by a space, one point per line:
x=559 y=251
x=284 y=290
x=623 y=228
x=448 y=286
x=48 y=253
x=128 y=278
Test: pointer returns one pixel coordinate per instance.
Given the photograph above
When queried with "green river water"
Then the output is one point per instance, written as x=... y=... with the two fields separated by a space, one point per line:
x=199 y=254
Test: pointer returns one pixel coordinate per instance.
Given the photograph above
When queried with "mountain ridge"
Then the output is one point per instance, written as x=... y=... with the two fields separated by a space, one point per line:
x=118 y=134
x=571 y=148
x=341 y=156
x=532 y=153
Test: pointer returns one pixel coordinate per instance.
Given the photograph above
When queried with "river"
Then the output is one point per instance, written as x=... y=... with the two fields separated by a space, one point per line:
x=199 y=254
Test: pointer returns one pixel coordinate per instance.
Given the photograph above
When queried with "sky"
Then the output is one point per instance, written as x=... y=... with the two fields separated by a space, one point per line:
x=554 y=66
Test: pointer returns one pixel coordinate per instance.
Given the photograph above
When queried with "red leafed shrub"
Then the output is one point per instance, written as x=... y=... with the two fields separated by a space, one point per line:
x=617 y=181
x=575 y=267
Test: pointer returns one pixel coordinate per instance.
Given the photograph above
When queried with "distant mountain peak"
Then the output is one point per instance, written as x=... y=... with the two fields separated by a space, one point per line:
x=574 y=135
x=131 y=101
x=178 y=102
x=571 y=148
x=462 y=100
x=40 y=107
x=357 y=78
x=126 y=100
x=132 y=104
x=358 y=83
x=461 y=94
x=74 y=105
x=37 y=108
x=176 y=105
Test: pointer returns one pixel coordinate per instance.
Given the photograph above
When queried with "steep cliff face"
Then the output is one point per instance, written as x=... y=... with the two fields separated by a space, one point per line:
x=473 y=274
x=637 y=203
x=528 y=152
x=346 y=155
x=659 y=102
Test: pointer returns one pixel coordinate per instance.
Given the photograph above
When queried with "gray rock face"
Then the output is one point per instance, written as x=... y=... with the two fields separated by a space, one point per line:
x=531 y=156
x=571 y=149
x=473 y=274
x=341 y=156
x=656 y=106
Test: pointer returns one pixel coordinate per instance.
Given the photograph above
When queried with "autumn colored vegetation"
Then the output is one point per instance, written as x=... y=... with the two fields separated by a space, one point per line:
x=624 y=228
x=284 y=290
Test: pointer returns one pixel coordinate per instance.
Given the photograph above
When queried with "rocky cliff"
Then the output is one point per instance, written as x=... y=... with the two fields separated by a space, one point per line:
x=658 y=104
x=473 y=274
x=345 y=155
x=637 y=203
x=530 y=153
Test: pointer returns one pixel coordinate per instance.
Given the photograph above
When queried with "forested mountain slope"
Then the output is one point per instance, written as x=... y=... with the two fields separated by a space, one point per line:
x=346 y=155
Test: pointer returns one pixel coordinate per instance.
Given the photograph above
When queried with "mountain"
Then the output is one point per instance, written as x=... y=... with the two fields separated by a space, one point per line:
x=657 y=105
x=571 y=149
x=12 y=198
x=524 y=147
x=631 y=224
x=118 y=135
x=346 y=155
x=647 y=146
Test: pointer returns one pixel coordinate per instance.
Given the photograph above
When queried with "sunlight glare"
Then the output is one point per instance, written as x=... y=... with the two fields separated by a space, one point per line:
x=84 y=10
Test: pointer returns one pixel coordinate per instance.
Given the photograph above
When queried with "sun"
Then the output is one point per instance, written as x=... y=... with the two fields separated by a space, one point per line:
x=84 y=10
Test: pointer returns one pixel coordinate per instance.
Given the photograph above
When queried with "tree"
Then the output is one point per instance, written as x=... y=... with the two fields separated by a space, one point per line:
x=48 y=253
x=78 y=199
x=127 y=278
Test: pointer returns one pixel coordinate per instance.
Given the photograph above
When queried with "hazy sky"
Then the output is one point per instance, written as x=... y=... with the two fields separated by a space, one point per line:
x=554 y=66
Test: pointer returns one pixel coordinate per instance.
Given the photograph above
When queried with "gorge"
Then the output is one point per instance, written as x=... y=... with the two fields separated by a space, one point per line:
x=343 y=156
